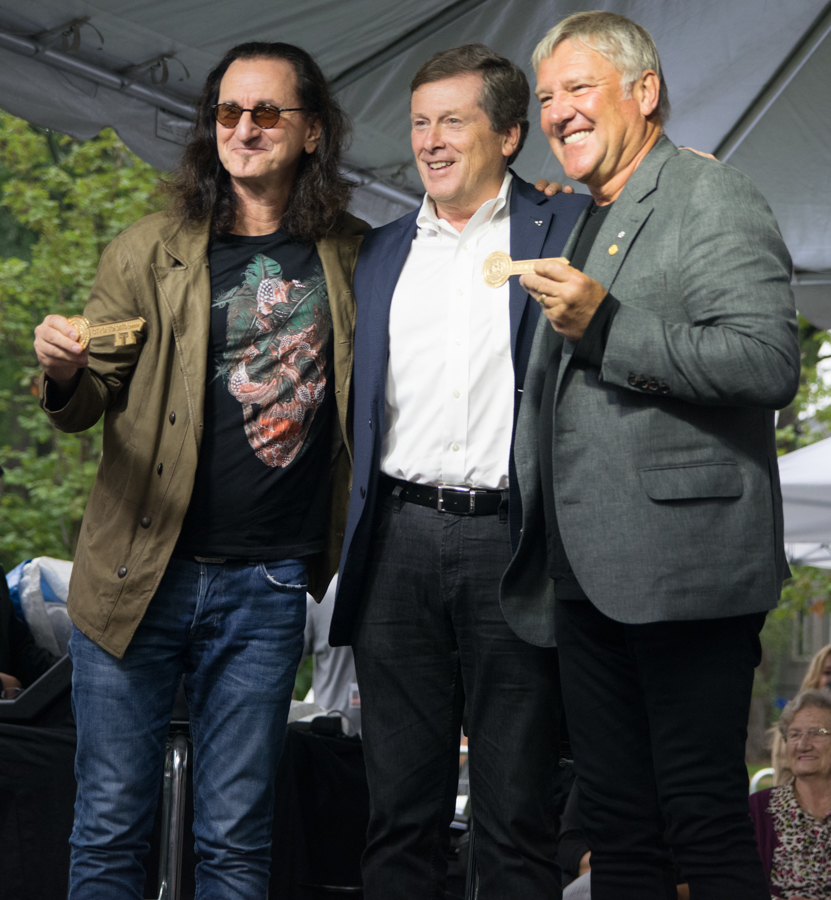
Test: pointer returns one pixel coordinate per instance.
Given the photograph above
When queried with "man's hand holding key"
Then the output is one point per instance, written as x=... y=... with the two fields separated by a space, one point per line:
x=58 y=350
x=61 y=344
x=568 y=297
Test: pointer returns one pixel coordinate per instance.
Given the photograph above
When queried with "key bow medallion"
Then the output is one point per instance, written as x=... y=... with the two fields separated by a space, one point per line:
x=499 y=267
x=123 y=332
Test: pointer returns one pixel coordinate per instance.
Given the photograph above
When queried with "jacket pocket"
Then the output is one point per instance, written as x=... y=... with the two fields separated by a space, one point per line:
x=691 y=482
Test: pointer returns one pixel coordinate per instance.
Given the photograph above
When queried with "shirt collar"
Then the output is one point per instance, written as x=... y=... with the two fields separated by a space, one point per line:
x=493 y=209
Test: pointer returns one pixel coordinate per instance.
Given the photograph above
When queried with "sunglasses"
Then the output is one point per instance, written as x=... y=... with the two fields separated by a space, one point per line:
x=263 y=115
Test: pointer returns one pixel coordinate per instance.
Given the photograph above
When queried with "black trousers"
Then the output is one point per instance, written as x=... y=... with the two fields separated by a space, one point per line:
x=432 y=642
x=657 y=717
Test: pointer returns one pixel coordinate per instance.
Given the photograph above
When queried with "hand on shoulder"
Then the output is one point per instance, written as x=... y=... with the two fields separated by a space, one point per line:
x=551 y=189
x=700 y=153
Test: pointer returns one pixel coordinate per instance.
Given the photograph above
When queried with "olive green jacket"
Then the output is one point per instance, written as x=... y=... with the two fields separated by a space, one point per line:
x=152 y=394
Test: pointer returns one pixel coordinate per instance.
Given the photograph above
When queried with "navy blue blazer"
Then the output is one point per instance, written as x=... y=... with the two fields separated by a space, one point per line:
x=540 y=226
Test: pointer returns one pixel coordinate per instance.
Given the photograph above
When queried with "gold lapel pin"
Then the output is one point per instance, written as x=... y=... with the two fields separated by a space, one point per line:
x=613 y=249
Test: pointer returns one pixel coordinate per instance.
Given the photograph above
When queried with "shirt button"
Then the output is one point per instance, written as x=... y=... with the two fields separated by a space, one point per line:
x=456 y=394
x=363 y=493
x=460 y=292
x=122 y=571
x=172 y=417
x=146 y=522
x=455 y=447
x=464 y=246
x=159 y=468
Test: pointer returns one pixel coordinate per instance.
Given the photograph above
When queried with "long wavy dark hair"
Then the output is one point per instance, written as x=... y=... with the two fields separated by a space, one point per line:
x=201 y=186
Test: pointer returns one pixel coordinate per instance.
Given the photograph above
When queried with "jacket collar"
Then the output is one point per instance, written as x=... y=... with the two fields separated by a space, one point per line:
x=187 y=243
x=644 y=179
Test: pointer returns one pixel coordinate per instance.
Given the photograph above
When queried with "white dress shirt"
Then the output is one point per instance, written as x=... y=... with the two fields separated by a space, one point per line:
x=450 y=378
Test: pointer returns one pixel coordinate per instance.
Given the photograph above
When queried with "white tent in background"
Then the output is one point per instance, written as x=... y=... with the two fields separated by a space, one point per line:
x=806 y=491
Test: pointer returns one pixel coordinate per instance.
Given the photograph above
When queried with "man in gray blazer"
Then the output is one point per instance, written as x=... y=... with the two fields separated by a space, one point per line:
x=651 y=546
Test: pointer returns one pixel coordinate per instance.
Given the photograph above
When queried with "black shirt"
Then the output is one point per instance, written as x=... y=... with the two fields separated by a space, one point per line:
x=589 y=351
x=262 y=479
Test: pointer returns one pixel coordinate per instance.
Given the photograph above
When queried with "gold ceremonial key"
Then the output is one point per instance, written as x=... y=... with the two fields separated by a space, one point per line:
x=123 y=332
x=499 y=267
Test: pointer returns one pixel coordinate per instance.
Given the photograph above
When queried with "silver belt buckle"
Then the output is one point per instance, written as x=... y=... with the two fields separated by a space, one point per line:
x=458 y=490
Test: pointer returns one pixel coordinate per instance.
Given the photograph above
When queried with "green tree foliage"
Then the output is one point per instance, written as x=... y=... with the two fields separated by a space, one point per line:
x=808 y=418
x=62 y=202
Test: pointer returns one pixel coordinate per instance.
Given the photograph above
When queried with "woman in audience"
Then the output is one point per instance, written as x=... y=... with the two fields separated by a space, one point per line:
x=817 y=676
x=793 y=821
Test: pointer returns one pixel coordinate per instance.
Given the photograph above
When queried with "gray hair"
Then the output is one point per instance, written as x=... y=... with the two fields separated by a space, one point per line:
x=814 y=698
x=505 y=92
x=627 y=46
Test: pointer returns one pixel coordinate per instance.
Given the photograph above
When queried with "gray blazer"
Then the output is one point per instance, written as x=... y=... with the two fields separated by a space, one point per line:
x=665 y=476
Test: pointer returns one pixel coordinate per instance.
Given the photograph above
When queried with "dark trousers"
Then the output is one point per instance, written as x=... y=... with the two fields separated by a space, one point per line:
x=431 y=643
x=657 y=717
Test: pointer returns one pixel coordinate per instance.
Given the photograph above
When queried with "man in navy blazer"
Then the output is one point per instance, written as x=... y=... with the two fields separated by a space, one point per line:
x=440 y=365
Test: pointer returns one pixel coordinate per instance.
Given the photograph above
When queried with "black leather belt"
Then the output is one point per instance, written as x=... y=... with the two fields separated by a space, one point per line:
x=461 y=501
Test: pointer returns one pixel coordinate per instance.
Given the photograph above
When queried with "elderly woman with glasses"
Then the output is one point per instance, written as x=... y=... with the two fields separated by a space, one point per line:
x=793 y=820
x=817 y=676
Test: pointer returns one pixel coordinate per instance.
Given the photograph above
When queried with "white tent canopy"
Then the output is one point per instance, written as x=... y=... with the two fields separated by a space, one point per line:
x=806 y=490
x=747 y=79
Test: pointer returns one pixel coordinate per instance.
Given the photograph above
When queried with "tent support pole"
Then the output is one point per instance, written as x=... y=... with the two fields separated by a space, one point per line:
x=815 y=35
x=76 y=66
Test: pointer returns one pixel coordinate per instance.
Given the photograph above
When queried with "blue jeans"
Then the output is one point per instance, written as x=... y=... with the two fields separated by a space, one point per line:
x=236 y=632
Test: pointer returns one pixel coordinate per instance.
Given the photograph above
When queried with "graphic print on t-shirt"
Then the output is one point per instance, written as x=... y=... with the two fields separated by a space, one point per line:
x=275 y=356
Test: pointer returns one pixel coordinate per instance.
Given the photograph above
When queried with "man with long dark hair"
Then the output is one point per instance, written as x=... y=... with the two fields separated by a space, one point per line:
x=223 y=486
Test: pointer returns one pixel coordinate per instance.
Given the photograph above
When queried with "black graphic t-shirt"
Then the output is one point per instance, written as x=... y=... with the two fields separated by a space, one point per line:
x=262 y=480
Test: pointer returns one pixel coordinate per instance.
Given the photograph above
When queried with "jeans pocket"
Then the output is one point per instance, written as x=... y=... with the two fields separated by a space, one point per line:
x=285 y=574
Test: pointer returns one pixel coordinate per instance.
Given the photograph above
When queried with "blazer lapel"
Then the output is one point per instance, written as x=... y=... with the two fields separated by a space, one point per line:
x=395 y=251
x=337 y=257
x=628 y=216
x=380 y=262
x=615 y=239
x=529 y=227
x=571 y=243
x=620 y=230
x=387 y=262
x=568 y=346
x=186 y=291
